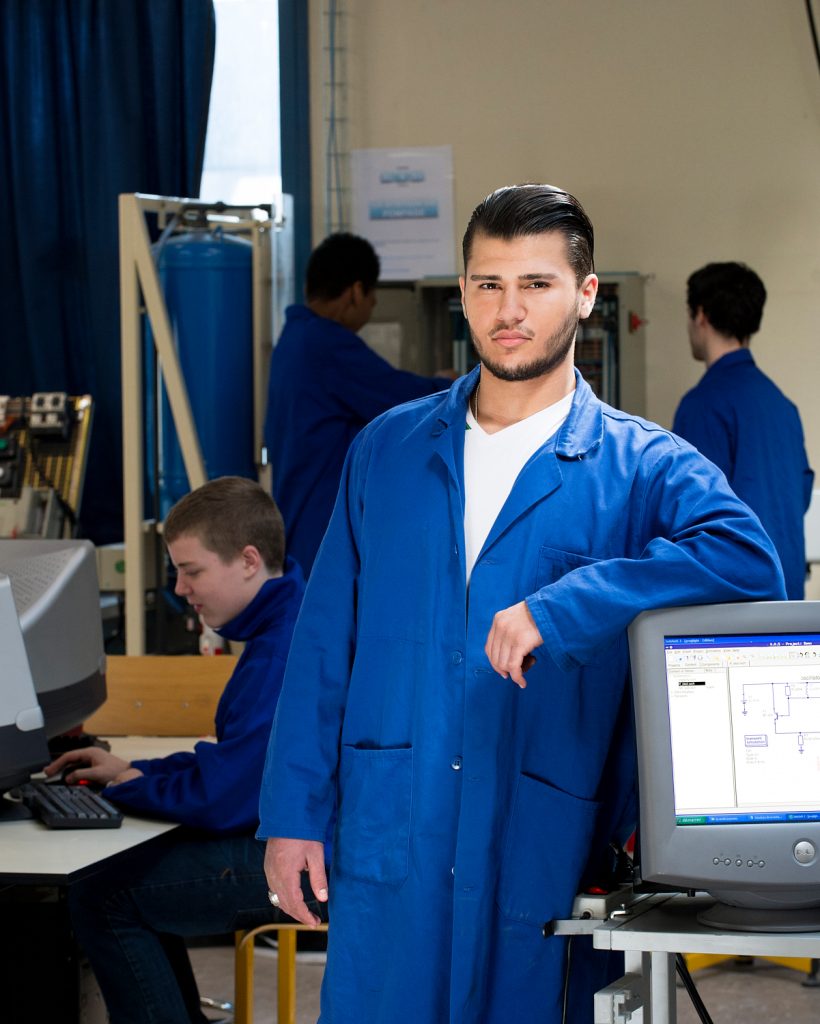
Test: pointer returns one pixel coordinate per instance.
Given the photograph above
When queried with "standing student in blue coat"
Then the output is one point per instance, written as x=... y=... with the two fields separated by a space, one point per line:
x=227 y=542
x=738 y=417
x=325 y=385
x=456 y=694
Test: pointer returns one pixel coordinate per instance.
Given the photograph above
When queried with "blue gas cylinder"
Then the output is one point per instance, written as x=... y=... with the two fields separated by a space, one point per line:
x=206 y=276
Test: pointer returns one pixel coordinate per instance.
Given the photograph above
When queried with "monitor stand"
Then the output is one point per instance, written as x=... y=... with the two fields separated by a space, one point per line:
x=749 y=919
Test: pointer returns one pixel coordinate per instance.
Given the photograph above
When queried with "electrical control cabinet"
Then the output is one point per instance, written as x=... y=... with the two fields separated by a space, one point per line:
x=420 y=326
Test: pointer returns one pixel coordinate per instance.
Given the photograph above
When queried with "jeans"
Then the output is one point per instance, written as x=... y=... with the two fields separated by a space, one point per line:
x=132 y=918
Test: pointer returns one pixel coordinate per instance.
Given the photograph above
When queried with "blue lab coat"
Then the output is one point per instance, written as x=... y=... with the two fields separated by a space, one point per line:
x=216 y=787
x=737 y=417
x=470 y=811
x=325 y=385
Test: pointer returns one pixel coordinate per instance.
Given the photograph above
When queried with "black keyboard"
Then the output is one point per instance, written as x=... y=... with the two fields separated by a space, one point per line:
x=60 y=806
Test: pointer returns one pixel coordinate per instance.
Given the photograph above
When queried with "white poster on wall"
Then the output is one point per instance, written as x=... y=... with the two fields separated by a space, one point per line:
x=403 y=204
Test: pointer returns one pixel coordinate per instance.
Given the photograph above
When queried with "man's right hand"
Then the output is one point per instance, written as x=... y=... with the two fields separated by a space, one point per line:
x=285 y=860
x=92 y=764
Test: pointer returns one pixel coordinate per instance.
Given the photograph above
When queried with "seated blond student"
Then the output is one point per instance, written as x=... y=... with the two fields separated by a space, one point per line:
x=227 y=542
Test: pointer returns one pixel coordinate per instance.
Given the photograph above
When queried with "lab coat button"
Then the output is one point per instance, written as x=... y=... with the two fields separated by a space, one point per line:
x=456 y=657
x=455 y=764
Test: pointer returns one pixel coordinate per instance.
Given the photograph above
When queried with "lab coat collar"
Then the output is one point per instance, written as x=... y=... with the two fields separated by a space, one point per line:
x=583 y=429
x=581 y=433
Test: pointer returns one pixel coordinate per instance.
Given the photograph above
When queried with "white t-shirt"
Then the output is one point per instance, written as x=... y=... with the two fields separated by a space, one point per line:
x=492 y=463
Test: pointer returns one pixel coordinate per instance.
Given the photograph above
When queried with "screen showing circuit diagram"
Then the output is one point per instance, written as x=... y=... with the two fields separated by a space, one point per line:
x=744 y=717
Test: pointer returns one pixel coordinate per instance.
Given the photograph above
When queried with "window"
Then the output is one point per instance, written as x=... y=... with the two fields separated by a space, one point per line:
x=242 y=151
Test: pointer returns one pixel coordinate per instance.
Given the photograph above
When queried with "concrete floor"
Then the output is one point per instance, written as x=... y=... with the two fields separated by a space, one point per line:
x=213 y=966
x=763 y=992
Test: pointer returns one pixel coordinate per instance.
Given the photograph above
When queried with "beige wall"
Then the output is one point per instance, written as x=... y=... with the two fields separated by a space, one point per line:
x=690 y=130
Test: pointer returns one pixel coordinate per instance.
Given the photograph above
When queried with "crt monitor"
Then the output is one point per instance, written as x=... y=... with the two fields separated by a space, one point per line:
x=51 y=648
x=727 y=713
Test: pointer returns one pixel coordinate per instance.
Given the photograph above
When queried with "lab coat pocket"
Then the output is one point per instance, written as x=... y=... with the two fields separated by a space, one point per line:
x=373 y=834
x=553 y=564
x=546 y=849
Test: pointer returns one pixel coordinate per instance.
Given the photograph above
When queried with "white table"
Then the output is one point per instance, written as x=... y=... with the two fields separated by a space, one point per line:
x=650 y=933
x=37 y=866
x=30 y=853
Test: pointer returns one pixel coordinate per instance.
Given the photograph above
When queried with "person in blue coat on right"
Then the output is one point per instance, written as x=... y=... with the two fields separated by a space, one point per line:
x=738 y=417
x=456 y=697
x=325 y=385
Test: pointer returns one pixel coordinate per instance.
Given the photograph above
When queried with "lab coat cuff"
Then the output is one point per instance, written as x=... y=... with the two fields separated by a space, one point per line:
x=549 y=634
x=269 y=829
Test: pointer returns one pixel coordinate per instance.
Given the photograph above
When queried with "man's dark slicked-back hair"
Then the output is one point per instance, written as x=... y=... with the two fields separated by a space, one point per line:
x=518 y=210
x=226 y=515
x=338 y=262
x=731 y=295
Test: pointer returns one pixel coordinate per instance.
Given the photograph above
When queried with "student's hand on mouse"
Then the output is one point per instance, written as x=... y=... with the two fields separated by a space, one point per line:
x=92 y=764
x=510 y=642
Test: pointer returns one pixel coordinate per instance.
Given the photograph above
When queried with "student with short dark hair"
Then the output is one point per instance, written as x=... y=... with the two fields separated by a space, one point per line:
x=227 y=541
x=738 y=417
x=325 y=385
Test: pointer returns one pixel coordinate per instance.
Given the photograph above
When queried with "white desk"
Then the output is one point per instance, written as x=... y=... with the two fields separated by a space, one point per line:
x=37 y=867
x=30 y=853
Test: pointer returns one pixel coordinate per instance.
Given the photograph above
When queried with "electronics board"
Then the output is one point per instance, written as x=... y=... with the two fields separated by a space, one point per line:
x=43 y=454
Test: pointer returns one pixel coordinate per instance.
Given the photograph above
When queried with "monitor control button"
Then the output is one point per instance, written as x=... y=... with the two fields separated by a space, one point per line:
x=716 y=860
x=727 y=861
x=805 y=852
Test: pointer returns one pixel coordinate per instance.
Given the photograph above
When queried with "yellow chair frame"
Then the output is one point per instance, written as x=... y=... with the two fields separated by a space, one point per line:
x=286 y=971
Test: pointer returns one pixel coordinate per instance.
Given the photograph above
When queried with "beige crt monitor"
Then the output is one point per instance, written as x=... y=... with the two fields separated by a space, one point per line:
x=51 y=640
x=727 y=712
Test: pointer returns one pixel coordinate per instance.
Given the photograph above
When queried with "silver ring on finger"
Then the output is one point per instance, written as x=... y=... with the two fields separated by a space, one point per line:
x=274 y=899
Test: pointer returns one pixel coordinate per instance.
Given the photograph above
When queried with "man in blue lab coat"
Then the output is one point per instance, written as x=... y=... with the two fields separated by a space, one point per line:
x=456 y=694
x=737 y=417
x=325 y=385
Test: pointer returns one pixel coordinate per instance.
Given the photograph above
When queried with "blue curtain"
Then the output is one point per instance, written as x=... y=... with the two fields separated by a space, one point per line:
x=97 y=97
x=294 y=90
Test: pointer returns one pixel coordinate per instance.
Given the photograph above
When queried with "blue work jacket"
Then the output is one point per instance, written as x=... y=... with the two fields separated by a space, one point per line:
x=325 y=385
x=469 y=811
x=216 y=786
x=737 y=417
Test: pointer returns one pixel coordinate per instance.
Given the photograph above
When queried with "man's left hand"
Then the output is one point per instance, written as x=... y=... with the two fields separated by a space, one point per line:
x=511 y=641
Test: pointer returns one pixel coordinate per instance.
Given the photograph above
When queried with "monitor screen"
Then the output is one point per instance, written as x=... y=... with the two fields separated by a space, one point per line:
x=727 y=707
x=744 y=716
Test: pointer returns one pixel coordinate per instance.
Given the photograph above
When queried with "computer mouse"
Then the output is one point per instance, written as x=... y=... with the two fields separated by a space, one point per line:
x=88 y=783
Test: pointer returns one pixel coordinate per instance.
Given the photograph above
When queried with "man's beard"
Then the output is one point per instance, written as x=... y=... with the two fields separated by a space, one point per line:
x=557 y=347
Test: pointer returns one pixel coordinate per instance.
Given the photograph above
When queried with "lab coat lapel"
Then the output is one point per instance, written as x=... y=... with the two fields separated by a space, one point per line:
x=447 y=437
x=539 y=478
